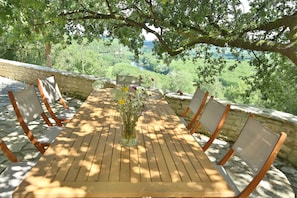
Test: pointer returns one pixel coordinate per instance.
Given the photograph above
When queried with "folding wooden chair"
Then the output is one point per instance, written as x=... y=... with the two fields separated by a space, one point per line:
x=28 y=108
x=7 y=152
x=257 y=146
x=127 y=80
x=212 y=118
x=196 y=105
x=50 y=94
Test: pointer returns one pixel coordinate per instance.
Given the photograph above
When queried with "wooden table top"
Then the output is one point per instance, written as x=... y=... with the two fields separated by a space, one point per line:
x=86 y=160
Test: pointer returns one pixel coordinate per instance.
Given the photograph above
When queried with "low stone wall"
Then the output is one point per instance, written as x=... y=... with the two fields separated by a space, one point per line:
x=76 y=85
x=81 y=86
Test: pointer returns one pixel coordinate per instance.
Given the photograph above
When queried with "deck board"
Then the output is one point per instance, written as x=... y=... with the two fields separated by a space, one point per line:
x=144 y=157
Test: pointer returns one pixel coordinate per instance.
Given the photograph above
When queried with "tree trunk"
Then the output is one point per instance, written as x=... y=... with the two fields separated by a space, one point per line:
x=48 y=49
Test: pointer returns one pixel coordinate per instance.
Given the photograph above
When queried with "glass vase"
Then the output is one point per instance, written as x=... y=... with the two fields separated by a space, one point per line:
x=128 y=136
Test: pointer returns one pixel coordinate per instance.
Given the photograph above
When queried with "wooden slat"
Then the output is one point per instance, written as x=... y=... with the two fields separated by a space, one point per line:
x=166 y=154
x=143 y=158
x=79 y=154
x=125 y=164
x=98 y=156
x=176 y=157
x=116 y=158
x=86 y=162
x=107 y=157
x=162 y=166
x=66 y=157
x=154 y=170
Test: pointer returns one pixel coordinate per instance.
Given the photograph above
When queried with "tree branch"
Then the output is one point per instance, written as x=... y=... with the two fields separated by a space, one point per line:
x=288 y=50
x=108 y=6
x=285 y=21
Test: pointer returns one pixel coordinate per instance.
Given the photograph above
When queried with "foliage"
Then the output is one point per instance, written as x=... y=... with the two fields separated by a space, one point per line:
x=25 y=22
x=281 y=76
x=197 y=30
x=90 y=58
x=178 y=25
x=20 y=51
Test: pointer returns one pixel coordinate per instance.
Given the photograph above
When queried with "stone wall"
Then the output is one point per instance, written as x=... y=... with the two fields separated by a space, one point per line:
x=81 y=86
x=70 y=83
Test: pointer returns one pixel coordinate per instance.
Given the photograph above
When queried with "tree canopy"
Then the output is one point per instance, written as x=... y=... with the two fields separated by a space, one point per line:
x=178 y=25
x=268 y=25
x=266 y=29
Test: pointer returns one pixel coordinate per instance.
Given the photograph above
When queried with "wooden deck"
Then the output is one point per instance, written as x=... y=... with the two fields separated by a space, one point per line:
x=86 y=160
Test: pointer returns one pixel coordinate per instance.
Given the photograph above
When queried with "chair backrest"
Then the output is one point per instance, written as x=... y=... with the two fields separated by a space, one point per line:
x=27 y=107
x=257 y=146
x=27 y=103
x=199 y=97
x=7 y=152
x=212 y=118
x=127 y=80
x=196 y=105
x=50 y=93
x=49 y=89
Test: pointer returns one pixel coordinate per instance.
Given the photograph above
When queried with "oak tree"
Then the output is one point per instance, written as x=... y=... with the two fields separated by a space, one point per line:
x=266 y=29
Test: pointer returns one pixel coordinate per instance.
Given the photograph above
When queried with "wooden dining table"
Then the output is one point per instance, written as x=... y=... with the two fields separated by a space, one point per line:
x=87 y=159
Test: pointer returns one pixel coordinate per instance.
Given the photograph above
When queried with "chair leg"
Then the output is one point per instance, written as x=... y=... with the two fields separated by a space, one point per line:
x=7 y=152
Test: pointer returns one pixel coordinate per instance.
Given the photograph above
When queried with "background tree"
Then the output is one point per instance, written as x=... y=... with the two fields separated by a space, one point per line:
x=31 y=23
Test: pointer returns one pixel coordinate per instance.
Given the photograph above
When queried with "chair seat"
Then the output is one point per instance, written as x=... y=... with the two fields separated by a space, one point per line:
x=49 y=135
x=12 y=176
x=66 y=114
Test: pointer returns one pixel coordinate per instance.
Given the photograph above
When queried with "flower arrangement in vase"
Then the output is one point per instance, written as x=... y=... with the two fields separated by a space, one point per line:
x=130 y=104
